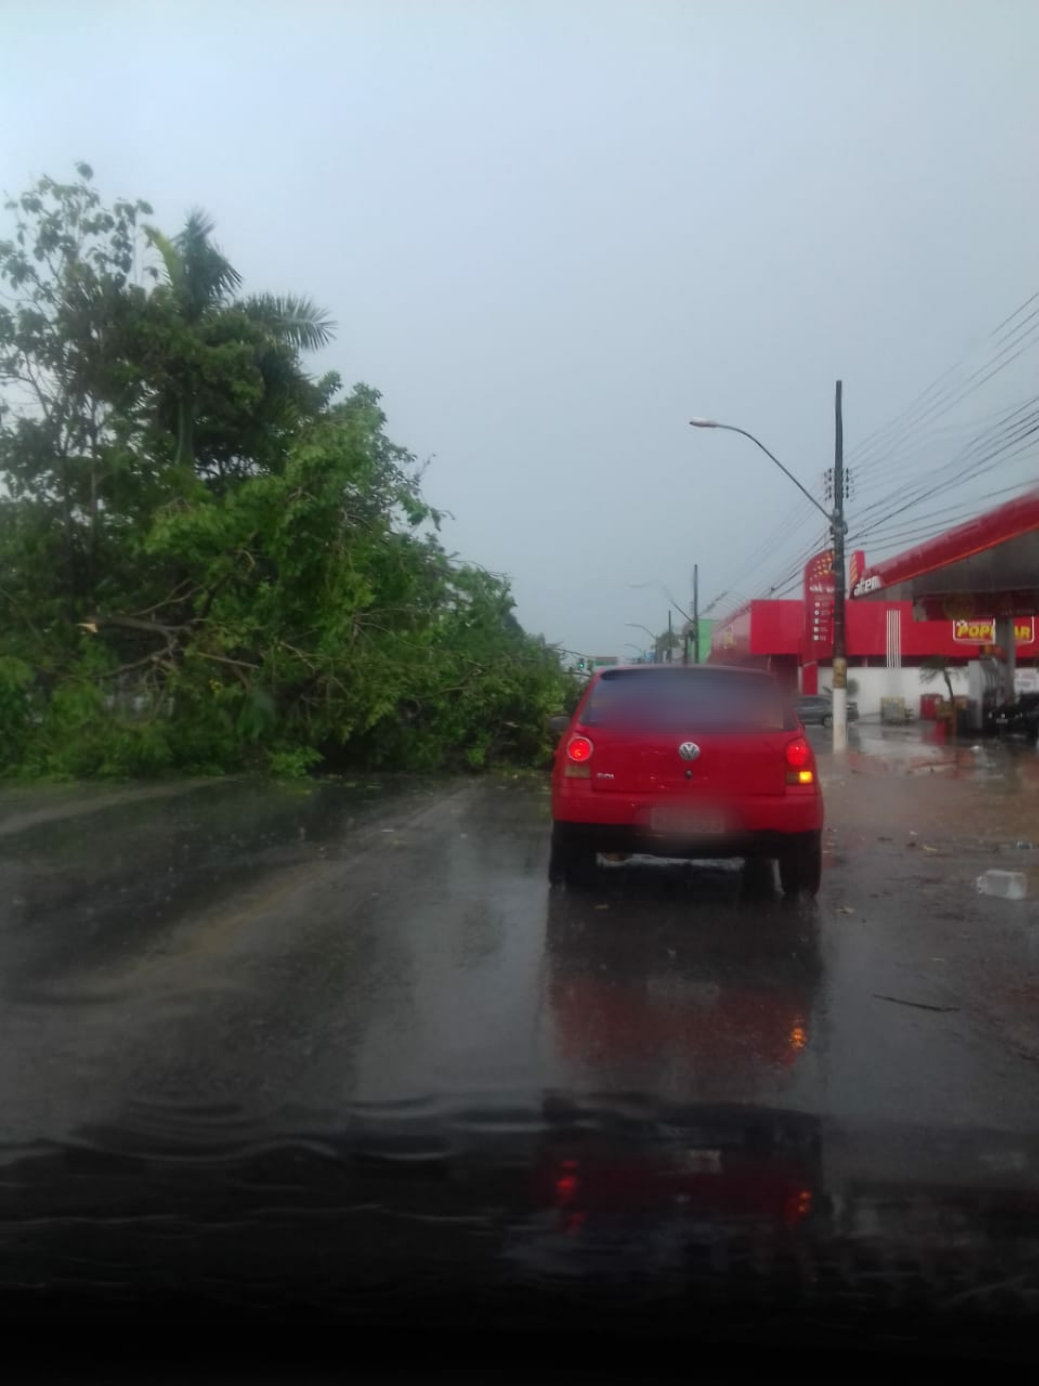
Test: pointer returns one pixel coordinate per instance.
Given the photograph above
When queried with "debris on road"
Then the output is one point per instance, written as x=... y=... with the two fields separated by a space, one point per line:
x=1004 y=885
x=916 y=1005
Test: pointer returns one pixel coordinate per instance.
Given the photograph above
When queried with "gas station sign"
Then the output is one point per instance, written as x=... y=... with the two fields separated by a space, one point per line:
x=819 y=588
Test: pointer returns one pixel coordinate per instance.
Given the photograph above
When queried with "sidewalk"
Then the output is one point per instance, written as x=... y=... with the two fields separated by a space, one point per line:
x=966 y=806
x=911 y=825
x=921 y=748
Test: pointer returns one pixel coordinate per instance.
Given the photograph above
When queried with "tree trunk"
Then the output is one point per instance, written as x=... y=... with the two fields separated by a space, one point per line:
x=186 y=432
x=70 y=546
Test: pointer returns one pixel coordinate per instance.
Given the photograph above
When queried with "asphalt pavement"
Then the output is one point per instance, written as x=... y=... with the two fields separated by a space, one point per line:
x=211 y=961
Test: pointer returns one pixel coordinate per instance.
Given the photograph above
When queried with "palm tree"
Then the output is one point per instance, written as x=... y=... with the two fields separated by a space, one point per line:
x=201 y=289
x=936 y=667
x=665 y=645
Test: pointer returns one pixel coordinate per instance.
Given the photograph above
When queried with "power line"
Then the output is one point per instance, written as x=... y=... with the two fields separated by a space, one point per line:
x=794 y=569
x=999 y=326
x=977 y=462
x=1010 y=421
x=923 y=407
x=776 y=536
x=952 y=515
x=885 y=452
x=897 y=462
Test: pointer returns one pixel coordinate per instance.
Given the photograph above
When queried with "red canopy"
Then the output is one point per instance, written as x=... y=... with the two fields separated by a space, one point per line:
x=988 y=566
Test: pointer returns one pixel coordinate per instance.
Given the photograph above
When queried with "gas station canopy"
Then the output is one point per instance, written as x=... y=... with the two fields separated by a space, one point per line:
x=987 y=567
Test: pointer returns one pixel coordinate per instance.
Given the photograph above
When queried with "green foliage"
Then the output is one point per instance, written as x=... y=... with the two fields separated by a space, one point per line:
x=294 y=763
x=935 y=667
x=15 y=708
x=210 y=560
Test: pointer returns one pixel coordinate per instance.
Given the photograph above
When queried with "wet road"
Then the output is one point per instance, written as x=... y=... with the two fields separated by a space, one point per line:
x=227 y=957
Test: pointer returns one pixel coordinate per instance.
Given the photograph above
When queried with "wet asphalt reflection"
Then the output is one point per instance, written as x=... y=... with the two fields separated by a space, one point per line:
x=220 y=959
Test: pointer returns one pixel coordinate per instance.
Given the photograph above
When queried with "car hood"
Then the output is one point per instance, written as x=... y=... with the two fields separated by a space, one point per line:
x=425 y=1212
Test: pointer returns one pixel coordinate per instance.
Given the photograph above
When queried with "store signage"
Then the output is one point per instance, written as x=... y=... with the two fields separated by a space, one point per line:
x=980 y=632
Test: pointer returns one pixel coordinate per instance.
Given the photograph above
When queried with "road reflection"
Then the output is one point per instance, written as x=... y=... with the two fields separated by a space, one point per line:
x=687 y=983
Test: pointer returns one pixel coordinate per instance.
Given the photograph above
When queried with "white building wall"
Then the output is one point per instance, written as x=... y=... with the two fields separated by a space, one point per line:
x=874 y=684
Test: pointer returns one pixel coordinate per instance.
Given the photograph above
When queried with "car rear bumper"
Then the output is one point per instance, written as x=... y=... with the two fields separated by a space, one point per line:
x=759 y=826
x=618 y=837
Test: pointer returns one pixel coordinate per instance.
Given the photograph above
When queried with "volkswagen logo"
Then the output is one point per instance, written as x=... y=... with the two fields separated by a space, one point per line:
x=689 y=750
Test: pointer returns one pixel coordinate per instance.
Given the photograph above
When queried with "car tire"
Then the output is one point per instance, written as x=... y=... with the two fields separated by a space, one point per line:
x=827 y=721
x=759 y=879
x=801 y=865
x=570 y=864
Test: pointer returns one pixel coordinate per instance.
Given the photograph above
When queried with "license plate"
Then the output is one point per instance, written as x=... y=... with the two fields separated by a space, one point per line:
x=687 y=822
x=701 y=1161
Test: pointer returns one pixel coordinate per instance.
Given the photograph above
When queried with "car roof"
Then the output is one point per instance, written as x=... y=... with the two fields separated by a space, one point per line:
x=699 y=669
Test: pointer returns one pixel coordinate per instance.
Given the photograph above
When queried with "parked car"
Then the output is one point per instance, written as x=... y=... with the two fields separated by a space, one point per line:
x=816 y=709
x=685 y=761
x=1019 y=718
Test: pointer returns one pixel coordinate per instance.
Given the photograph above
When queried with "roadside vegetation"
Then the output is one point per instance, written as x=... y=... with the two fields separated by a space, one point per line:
x=210 y=558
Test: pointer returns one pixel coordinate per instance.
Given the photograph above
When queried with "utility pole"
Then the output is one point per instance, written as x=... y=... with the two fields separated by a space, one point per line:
x=696 y=613
x=838 y=527
x=670 y=652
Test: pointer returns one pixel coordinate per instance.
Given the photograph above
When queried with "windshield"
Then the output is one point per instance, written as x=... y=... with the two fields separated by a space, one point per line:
x=519 y=677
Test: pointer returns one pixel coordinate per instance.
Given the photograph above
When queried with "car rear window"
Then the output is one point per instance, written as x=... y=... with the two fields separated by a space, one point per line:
x=679 y=700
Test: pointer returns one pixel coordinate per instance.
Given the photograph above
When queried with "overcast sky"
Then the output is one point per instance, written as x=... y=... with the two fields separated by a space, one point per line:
x=552 y=232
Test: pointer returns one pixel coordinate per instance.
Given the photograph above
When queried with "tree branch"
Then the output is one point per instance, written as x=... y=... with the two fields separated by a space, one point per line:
x=177 y=595
x=223 y=659
x=8 y=598
x=153 y=659
x=134 y=623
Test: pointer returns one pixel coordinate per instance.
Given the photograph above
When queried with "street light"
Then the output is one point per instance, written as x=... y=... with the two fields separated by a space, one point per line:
x=638 y=650
x=669 y=654
x=667 y=593
x=634 y=625
x=838 y=528
x=731 y=428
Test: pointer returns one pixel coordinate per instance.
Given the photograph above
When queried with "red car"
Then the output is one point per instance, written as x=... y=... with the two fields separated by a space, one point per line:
x=685 y=761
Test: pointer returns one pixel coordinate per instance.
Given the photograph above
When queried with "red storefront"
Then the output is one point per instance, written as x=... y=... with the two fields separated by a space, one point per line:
x=966 y=597
x=880 y=635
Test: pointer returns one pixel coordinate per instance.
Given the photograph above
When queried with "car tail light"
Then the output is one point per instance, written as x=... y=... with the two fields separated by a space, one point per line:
x=798 y=756
x=798 y=1206
x=566 y=1183
x=579 y=748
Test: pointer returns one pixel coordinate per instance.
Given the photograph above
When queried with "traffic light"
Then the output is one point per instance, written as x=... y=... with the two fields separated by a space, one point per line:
x=580 y=664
